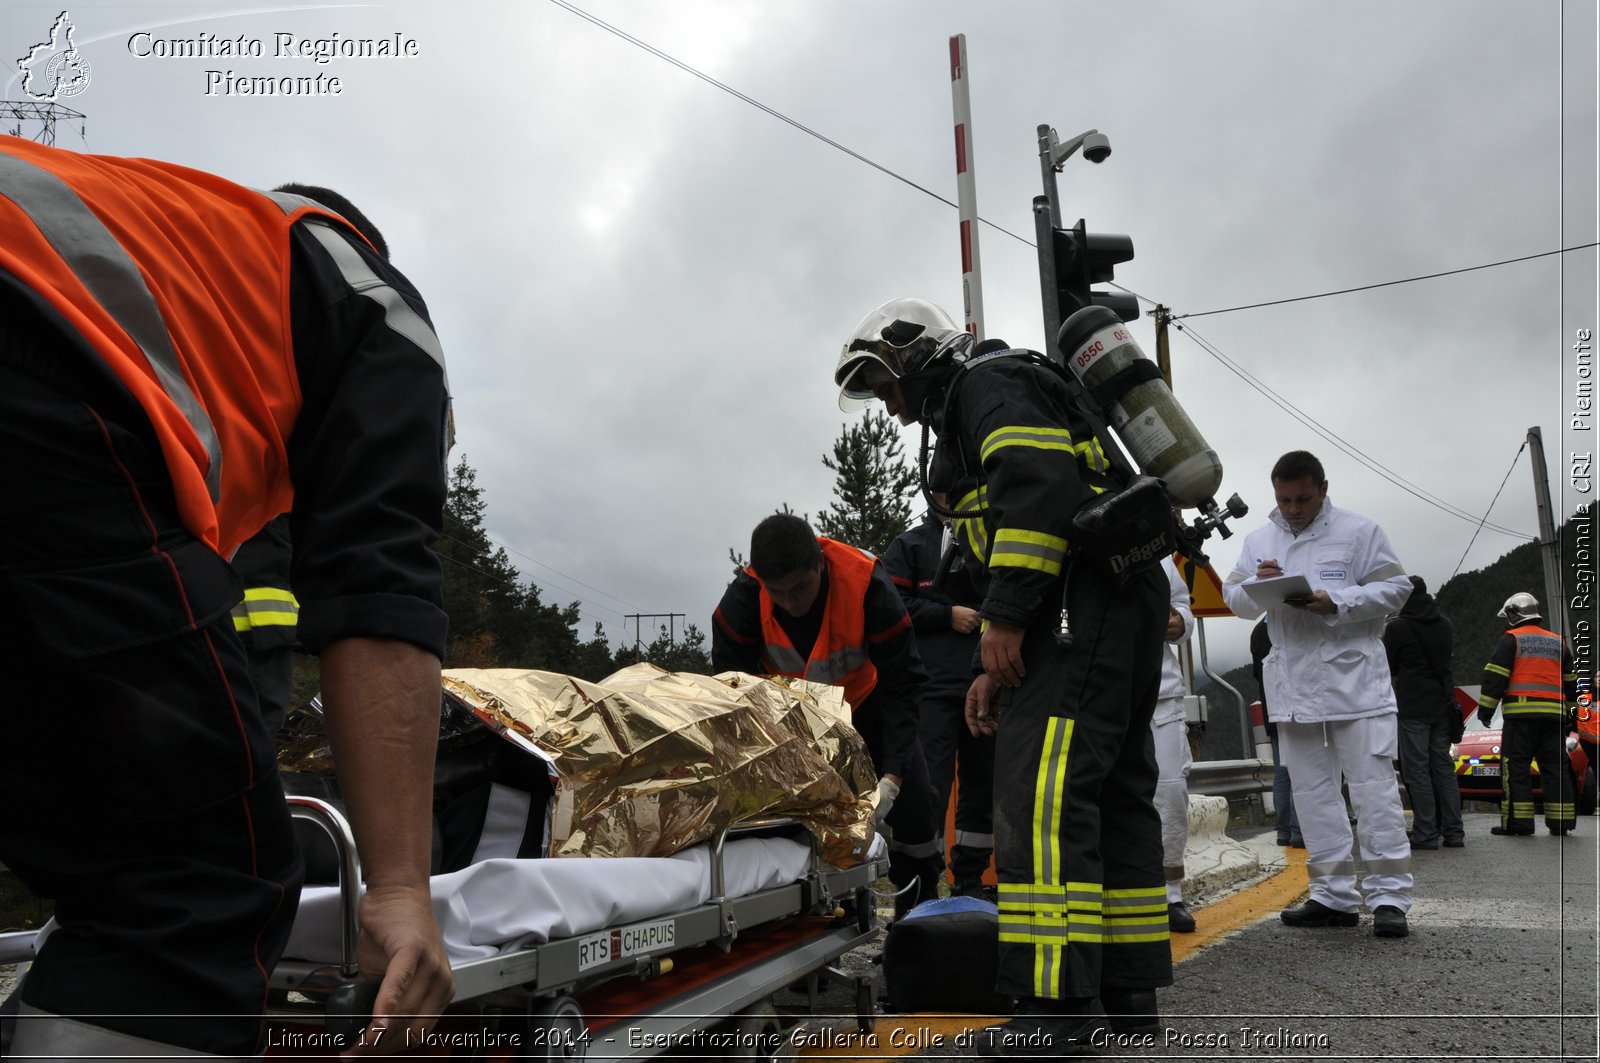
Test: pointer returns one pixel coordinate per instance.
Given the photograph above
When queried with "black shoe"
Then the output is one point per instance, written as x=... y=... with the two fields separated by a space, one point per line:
x=1515 y=832
x=1312 y=913
x=1389 y=922
x=1558 y=831
x=1434 y=844
x=1131 y=1011
x=1455 y=843
x=1297 y=842
x=1179 y=921
x=1043 y=1029
x=1283 y=839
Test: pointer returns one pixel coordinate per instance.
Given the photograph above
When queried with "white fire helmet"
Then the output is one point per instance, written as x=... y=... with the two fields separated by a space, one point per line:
x=899 y=337
x=1519 y=607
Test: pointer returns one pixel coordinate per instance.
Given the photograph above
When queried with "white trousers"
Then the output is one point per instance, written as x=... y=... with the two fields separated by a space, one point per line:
x=1170 y=734
x=1362 y=753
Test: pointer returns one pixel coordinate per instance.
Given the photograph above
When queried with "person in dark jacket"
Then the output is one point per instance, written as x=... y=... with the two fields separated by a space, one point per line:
x=827 y=612
x=1282 y=788
x=930 y=572
x=1418 y=641
x=182 y=359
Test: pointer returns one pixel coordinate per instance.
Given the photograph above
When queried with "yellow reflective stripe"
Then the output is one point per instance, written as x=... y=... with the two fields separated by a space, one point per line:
x=1094 y=456
x=1049 y=785
x=1486 y=702
x=1019 y=548
x=1019 y=436
x=1497 y=669
x=266 y=607
x=1533 y=708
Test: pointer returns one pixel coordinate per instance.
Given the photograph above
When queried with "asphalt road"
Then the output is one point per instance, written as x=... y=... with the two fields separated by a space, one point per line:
x=1500 y=964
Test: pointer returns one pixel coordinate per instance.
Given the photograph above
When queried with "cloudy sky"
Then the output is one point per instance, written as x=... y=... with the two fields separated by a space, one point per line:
x=642 y=280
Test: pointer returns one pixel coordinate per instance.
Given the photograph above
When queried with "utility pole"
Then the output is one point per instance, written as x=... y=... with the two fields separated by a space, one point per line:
x=1163 y=356
x=1555 y=611
x=638 y=627
x=45 y=113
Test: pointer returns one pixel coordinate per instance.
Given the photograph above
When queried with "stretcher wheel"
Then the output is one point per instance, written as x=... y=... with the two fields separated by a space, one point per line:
x=758 y=1035
x=555 y=1030
x=866 y=1005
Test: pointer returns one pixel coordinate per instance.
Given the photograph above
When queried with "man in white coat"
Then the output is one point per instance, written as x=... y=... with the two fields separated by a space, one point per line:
x=1328 y=690
x=1170 y=732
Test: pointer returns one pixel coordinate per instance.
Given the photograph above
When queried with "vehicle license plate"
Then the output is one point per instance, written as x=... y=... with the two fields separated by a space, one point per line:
x=1486 y=769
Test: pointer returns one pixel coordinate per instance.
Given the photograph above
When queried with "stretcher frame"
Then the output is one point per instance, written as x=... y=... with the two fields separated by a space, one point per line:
x=541 y=990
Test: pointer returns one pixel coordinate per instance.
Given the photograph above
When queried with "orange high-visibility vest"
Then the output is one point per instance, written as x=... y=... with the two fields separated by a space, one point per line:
x=179 y=281
x=1588 y=718
x=839 y=657
x=1535 y=685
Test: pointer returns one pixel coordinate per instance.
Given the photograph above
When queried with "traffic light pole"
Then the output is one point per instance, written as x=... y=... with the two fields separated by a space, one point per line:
x=1044 y=234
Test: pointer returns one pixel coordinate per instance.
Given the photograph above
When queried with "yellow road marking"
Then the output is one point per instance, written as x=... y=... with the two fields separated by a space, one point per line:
x=909 y=1034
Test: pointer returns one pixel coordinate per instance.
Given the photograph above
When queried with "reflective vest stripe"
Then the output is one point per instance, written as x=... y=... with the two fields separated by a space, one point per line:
x=397 y=313
x=266 y=607
x=113 y=280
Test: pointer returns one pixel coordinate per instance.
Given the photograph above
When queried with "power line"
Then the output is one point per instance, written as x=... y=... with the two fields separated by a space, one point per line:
x=548 y=584
x=563 y=575
x=779 y=115
x=1262 y=388
x=1387 y=284
x=1332 y=437
x=1486 y=512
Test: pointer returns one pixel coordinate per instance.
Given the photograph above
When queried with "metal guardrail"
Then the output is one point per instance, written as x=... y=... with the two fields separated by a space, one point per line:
x=1229 y=778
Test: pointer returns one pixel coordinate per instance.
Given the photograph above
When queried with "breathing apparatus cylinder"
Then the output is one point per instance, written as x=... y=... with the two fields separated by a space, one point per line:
x=1141 y=409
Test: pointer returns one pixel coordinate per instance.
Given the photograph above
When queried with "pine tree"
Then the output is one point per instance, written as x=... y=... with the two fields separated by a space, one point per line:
x=872 y=485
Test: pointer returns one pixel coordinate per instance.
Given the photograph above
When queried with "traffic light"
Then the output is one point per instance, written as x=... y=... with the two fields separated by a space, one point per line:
x=1084 y=259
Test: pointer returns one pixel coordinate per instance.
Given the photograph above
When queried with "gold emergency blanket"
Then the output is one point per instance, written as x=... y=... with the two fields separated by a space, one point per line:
x=653 y=761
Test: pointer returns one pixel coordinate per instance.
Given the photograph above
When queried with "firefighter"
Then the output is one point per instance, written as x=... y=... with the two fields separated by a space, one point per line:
x=1530 y=677
x=182 y=359
x=821 y=610
x=1071 y=656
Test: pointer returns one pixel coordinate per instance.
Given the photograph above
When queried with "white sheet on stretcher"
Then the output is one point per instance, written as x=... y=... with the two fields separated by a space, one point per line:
x=503 y=904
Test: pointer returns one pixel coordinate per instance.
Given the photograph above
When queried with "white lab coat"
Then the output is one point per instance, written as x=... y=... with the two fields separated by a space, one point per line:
x=1325 y=667
x=1170 y=737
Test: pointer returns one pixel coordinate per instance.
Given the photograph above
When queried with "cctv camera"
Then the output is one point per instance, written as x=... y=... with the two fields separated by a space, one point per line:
x=1096 y=147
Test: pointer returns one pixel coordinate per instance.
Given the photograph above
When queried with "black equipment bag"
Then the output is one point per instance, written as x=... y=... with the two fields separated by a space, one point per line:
x=944 y=955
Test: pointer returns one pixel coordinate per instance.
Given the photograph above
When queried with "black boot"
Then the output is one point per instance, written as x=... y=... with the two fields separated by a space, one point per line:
x=1131 y=1011
x=1048 y=1029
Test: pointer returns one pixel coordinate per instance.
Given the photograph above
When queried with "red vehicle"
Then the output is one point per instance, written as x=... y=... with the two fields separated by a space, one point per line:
x=1478 y=766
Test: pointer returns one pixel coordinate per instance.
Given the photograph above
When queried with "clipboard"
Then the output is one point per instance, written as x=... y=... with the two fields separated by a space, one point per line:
x=1270 y=593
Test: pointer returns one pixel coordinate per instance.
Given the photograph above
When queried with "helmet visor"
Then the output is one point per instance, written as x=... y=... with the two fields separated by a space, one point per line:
x=861 y=373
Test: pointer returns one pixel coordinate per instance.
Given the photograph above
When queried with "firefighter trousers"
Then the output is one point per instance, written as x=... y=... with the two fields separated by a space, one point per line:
x=1082 y=899
x=1541 y=738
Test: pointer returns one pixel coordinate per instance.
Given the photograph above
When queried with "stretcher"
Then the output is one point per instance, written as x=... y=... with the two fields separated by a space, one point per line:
x=634 y=973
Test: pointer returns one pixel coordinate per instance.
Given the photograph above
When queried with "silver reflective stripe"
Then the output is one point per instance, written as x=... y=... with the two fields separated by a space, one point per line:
x=114 y=281
x=916 y=850
x=397 y=313
x=1331 y=869
x=837 y=665
x=971 y=839
x=1400 y=865
x=785 y=660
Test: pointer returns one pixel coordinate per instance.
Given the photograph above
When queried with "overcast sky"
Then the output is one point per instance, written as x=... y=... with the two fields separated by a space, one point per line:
x=642 y=282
